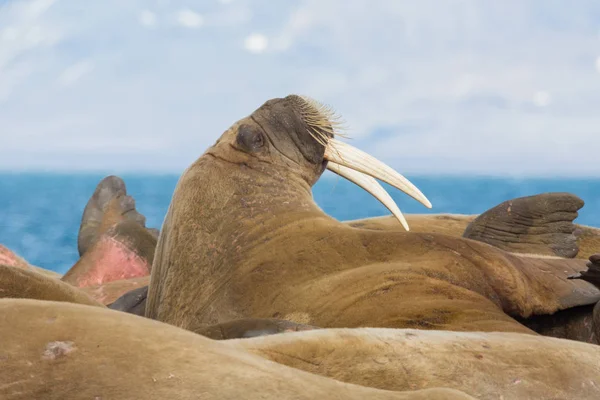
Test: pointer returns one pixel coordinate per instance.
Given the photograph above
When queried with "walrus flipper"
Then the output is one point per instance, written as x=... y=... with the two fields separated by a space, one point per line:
x=93 y=217
x=114 y=242
x=133 y=302
x=550 y=277
x=592 y=275
x=540 y=224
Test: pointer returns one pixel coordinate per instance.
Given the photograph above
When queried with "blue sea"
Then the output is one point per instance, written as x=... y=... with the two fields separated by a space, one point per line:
x=40 y=213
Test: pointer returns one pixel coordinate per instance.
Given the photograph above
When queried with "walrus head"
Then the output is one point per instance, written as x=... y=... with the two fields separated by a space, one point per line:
x=296 y=136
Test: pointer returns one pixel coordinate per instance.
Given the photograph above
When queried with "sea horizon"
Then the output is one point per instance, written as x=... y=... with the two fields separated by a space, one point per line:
x=40 y=211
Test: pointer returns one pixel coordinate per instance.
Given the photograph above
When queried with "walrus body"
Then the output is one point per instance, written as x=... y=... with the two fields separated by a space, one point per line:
x=485 y=365
x=244 y=238
x=10 y=259
x=66 y=351
x=21 y=283
x=81 y=352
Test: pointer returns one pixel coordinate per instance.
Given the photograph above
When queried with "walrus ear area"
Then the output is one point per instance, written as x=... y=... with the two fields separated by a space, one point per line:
x=249 y=138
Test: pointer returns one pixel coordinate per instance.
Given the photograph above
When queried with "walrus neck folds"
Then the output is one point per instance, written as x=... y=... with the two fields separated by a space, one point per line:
x=230 y=209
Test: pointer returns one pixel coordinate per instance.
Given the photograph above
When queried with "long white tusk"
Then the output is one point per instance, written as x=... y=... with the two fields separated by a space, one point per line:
x=353 y=158
x=370 y=185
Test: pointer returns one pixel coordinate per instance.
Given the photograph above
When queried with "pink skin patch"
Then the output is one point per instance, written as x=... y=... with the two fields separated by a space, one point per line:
x=108 y=292
x=56 y=350
x=9 y=258
x=110 y=260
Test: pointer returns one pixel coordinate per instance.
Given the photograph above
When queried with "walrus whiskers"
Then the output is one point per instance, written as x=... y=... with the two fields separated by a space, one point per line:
x=322 y=120
x=351 y=163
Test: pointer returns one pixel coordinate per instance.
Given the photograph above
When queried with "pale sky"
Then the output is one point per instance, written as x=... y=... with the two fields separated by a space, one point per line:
x=508 y=87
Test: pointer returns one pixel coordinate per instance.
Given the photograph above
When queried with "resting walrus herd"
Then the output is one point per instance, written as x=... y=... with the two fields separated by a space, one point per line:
x=251 y=291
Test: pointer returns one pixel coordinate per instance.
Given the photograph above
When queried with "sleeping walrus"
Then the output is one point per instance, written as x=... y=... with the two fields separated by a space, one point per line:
x=243 y=238
x=54 y=350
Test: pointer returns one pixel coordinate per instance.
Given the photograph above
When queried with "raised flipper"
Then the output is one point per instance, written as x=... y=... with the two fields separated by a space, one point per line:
x=99 y=214
x=540 y=224
x=113 y=239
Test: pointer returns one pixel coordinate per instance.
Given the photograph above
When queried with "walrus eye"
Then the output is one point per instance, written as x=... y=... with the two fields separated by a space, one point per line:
x=249 y=139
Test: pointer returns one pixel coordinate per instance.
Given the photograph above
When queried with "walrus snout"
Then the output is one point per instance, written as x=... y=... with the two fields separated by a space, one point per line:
x=301 y=135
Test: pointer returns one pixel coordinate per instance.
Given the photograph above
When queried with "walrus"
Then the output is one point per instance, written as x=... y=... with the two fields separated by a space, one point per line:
x=117 y=251
x=10 y=258
x=17 y=283
x=53 y=350
x=80 y=352
x=538 y=224
x=22 y=283
x=243 y=238
x=490 y=365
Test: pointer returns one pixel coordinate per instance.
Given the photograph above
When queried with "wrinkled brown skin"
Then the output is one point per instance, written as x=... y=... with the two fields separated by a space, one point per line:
x=447 y=224
x=21 y=283
x=59 y=351
x=540 y=224
x=485 y=365
x=243 y=238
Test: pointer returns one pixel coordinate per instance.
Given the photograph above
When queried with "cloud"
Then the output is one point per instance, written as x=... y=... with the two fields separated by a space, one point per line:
x=542 y=98
x=147 y=18
x=460 y=86
x=189 y=19
x=74 y=72
x=256 y=43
